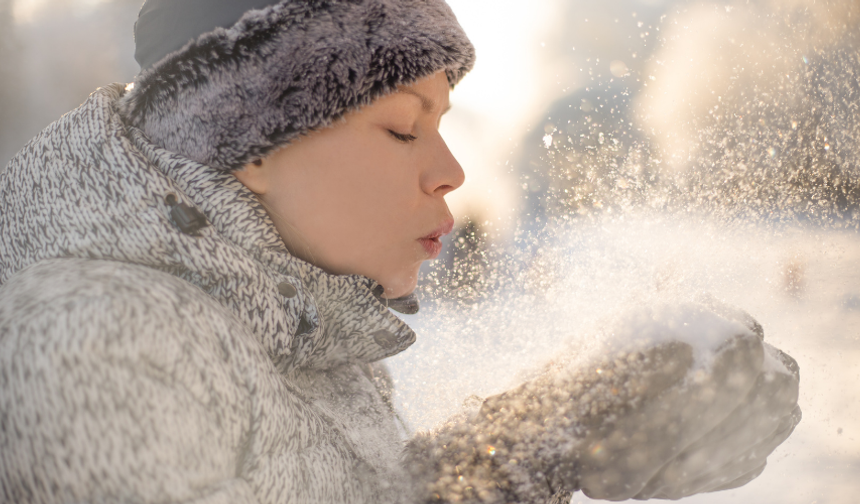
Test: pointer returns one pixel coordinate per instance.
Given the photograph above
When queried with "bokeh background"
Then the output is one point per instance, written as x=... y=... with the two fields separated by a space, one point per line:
x=617 y=153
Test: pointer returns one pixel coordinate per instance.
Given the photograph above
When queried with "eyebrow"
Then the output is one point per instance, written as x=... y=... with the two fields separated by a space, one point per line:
x=426 y=103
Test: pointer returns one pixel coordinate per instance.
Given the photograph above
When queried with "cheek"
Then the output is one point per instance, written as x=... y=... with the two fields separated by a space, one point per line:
x=356 y=205
x=379 y=188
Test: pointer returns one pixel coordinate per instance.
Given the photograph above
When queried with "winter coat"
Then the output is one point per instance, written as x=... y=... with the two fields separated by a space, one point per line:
x=141 y=363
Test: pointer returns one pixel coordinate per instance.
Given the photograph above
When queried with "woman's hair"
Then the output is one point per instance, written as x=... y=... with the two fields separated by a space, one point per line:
x=225 y=91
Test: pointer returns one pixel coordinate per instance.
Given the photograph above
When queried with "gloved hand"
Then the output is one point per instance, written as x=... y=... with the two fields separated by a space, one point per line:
x=735 y=452
x=689 y=400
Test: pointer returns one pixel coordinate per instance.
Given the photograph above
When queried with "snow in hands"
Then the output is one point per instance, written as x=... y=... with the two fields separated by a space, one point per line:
x=689 y=399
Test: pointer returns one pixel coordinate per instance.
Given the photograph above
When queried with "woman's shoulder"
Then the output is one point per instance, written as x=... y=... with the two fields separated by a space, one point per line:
x=113 y=307
x=78 y=136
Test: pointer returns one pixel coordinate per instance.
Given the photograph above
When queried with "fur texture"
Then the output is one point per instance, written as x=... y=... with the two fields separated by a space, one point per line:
x=234 y=95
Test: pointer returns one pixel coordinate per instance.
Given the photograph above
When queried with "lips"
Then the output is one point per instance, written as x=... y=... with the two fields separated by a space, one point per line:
x=432 y=243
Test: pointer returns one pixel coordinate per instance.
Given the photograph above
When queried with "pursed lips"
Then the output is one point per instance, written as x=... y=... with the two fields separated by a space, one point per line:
x=432 y=243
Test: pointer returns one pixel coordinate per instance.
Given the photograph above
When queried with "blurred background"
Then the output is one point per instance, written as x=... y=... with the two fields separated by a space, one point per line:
x=617 y=153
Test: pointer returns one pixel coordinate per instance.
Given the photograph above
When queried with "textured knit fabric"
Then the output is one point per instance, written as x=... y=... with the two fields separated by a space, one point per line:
x=141 y=364
x=235 y=94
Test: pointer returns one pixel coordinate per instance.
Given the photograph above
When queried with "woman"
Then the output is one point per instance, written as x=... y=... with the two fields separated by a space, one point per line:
x=196 y=272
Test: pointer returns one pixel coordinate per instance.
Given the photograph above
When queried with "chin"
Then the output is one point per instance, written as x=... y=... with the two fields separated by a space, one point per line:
x=400 y=285
x=399 y=291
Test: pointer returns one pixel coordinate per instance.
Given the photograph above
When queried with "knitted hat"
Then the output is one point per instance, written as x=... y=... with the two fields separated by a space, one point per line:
x=225 y=91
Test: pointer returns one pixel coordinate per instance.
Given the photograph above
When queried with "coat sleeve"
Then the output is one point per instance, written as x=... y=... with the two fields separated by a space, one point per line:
x=524 y=445
x=119 y=384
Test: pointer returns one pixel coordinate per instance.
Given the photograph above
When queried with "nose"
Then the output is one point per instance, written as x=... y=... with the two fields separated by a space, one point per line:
x=443 y=173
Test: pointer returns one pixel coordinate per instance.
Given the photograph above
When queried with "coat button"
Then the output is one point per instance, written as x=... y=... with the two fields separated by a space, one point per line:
x=287 y=290
x=385 y=339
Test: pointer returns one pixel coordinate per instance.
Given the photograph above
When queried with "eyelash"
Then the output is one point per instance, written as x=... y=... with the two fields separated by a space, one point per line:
x=404 y=138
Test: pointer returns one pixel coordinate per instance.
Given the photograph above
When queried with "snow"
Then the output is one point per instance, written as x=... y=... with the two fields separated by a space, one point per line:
x=628 y=276
x=689 y=323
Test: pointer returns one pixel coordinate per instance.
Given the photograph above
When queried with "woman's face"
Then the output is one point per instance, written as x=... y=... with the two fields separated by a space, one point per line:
x=367 y=195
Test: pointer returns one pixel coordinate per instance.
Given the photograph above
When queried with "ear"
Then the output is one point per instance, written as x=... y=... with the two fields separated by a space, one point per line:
x=254 y=176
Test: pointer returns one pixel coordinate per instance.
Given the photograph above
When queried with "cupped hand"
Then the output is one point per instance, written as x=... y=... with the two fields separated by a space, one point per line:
x=735 y=451
x=690 y=400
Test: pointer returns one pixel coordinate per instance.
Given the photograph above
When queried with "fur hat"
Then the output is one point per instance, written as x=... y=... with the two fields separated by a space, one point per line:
x=233 y=95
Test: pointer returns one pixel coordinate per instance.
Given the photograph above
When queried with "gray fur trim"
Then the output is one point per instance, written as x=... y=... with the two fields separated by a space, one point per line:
x=234 y=95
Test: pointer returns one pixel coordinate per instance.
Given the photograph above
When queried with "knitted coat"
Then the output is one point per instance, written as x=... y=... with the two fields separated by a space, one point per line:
x=139 y=363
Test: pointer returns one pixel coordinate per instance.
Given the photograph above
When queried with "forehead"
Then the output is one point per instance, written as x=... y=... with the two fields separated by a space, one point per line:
x=427 y=103
x=431 y=92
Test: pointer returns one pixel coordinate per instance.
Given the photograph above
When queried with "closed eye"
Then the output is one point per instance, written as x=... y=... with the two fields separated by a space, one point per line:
x=401 y=137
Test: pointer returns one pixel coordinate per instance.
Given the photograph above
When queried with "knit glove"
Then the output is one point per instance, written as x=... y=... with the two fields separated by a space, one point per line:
x=689 y=399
